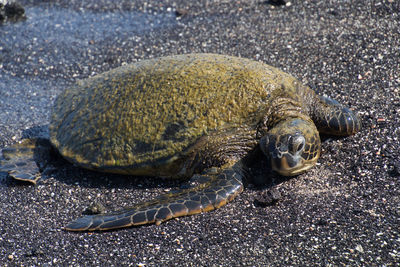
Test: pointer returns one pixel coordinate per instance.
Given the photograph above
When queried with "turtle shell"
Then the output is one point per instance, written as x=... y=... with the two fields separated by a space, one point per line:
x=143 y=117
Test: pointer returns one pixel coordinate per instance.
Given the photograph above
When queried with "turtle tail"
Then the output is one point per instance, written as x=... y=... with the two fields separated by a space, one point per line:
x=219 y=189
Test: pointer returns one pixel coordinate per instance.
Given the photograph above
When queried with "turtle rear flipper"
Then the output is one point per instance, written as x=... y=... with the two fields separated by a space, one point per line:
x=19 y=160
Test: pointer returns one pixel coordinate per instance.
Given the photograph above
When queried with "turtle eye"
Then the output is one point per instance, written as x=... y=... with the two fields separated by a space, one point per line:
x=264 y=144
x=296 y=143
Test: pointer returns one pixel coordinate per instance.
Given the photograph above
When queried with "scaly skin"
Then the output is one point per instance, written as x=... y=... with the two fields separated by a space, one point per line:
x=18 y=161
x=219 y=190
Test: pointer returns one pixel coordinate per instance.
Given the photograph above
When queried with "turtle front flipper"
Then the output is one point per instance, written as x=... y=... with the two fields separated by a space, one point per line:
x=220 y=189
x=333 y=118
x=19 y=161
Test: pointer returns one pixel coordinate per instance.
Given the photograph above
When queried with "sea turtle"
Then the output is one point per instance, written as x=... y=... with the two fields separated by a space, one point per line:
x=184 y=115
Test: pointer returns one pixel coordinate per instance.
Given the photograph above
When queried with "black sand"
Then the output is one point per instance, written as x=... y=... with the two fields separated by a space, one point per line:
x=346 y=211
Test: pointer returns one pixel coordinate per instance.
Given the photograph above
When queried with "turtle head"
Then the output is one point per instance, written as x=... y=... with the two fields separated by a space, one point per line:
x=292 y=146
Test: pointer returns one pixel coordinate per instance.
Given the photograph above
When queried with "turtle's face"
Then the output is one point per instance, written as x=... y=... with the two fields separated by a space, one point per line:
x=292 y=146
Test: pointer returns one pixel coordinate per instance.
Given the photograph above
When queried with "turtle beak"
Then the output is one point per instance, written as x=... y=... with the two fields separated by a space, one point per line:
x=288 y=165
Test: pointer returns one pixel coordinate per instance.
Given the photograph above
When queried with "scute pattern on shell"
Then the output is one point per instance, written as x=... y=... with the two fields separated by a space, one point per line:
x=150 y=112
